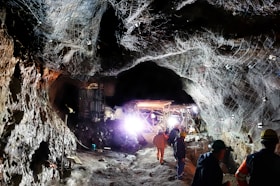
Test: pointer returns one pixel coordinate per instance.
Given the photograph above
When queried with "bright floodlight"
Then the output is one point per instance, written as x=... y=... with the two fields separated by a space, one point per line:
x=172 y=121
x=153 y=116
x=195 y=109
x=133 y=124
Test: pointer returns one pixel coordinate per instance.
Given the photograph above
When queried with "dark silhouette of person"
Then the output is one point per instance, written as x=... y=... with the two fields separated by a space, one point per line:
x=263 y=166
x=180 y=154
x=208 y=171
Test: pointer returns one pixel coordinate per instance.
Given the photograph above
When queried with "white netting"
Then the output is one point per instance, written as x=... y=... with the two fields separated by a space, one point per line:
x=133 y=14
x=74 y=35
x=66 y=30
x=235 y=81
x=228 y=78
x=265 y=7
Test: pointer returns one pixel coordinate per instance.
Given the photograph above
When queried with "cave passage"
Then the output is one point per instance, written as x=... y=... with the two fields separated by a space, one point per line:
x=147 y=80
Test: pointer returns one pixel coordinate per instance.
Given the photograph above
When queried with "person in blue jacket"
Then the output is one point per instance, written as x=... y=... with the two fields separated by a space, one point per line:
x=180 y=154
x=174 y=133
x=208 y=171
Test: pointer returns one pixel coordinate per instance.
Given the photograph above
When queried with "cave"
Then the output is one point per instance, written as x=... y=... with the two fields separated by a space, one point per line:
x=64 y=94
x=147 y=80
x=78 y=100
x=71 y=69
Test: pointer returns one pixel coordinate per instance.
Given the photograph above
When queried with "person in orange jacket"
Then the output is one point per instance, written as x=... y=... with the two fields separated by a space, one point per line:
x=262 y=167
x=160 y=141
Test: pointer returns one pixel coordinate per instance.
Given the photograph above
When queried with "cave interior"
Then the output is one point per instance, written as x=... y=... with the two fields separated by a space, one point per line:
x=65 y=64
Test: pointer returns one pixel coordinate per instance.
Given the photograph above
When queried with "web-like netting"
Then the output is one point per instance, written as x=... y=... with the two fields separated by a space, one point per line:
x=264 y=7
x=234 y=81
x=66 y=32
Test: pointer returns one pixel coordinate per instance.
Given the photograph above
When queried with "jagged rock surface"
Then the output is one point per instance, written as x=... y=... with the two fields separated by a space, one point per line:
x=227 y=53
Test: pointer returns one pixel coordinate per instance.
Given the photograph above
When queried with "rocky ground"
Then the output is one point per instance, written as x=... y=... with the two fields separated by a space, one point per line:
x=106 y=167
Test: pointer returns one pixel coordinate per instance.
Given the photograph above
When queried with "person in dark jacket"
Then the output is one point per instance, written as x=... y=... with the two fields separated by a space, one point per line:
x=208 y=171
x=174 y=133
x=180 y=154
x=262 y=167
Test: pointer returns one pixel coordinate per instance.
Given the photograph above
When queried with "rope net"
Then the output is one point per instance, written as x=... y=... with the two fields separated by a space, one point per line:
x=234 y=80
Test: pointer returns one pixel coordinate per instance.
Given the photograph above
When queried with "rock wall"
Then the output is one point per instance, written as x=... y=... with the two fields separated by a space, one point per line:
x=227 y=53
x=28 y=121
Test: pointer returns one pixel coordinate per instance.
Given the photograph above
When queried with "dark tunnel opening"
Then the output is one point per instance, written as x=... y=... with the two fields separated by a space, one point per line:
x=67 y=98
x=64 y=96
x=147 y=80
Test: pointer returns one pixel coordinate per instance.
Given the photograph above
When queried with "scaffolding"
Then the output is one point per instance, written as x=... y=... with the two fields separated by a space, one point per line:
x=156 y=114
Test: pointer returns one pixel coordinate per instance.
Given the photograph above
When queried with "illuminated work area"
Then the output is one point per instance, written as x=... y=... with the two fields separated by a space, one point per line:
x=86 y=84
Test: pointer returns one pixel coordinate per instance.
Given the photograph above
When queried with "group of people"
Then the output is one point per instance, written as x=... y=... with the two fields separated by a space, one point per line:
x=258 y=169
x=176 y=138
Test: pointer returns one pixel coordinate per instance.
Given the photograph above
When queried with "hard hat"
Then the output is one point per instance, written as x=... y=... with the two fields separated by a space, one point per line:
x=218 y=145
x=183 y=134
x=269 y=135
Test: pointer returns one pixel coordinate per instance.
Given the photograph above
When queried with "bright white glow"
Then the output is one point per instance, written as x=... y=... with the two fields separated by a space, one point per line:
x=195 y=109
x=260 y=125
x=153 y=116
x=172 y=121
x=133 y=124
x=191 y=129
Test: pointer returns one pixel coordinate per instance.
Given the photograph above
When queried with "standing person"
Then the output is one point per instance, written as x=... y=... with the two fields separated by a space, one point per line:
x=208 y=171
x=263 y=166
x=180 y=154
x=174 y=133
x=159 y=141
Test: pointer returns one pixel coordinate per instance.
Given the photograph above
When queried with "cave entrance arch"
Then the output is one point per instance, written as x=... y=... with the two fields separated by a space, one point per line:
x=148 y=80
x=145 y=81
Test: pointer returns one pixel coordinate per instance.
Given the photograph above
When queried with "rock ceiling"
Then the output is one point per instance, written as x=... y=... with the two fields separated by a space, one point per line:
x=225 y=53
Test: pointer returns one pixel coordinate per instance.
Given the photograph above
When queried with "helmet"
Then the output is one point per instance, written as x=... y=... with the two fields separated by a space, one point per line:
x=218 y=145
x=269 y=135
x=183 y=134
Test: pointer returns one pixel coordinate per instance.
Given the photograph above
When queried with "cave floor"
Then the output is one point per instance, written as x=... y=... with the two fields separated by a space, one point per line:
x=106 y=167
